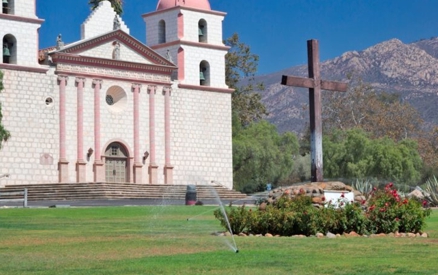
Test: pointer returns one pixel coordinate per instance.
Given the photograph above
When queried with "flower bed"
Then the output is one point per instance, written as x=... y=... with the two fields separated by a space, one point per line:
x=386 y=212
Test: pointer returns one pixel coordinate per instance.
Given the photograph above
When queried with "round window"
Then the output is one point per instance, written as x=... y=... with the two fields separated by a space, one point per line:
x=116 y=99
x=49 y=102
x=109 y=100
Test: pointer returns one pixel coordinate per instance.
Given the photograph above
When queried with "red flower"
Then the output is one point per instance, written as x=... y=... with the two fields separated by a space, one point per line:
x=323 y=198
x=363 y=202
x=342 y=195
x=390 y=185
x=424 y=203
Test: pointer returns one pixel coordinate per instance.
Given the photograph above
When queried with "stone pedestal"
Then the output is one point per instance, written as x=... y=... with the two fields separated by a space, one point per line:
x=63 y=170
x=168 y=174
x=80 y=171
x=99 y=172
x=153 y=178
x=138 y=173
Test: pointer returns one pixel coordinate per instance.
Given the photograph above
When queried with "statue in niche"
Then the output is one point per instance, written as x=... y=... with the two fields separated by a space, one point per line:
x=116 y=23
x=6 y=53
x=116 y=51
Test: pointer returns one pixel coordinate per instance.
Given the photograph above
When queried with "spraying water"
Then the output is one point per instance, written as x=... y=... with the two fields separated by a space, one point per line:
x=232 y=245
x=217 y=201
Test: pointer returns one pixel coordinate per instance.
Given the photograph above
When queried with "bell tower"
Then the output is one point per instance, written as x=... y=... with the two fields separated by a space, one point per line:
x=19 y=33
x=189 y=33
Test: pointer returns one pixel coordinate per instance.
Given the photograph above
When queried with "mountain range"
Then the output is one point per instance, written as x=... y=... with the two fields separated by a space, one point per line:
x=409 y=70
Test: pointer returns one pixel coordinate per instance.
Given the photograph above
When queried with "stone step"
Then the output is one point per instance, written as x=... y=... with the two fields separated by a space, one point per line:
x=91 y=191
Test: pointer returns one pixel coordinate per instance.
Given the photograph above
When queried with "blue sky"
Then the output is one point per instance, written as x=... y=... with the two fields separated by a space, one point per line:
x=276 y=30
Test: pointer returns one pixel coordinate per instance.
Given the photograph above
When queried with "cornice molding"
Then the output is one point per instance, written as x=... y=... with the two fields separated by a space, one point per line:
x=220 y=13
x=190 y=43
x=66 y=58
x=14 y=67
x=123 y=37
x=21 y=19
x=100 y=77
x=206 y=88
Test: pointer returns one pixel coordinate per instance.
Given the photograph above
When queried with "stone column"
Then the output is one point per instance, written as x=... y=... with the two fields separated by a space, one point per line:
x=168 y=167
x=80 y=162
x=153 y=167
x=99 y=172
x=138 y=166
x=63 y=163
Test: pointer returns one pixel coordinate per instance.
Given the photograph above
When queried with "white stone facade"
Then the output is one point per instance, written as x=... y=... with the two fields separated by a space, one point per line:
x=24 y=8
x=101 y=21
x=33 y=126
x=23 y=35
x=37 y=109
x=202 y=137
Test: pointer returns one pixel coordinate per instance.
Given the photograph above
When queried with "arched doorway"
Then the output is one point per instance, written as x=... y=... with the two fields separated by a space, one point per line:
x=116 y=163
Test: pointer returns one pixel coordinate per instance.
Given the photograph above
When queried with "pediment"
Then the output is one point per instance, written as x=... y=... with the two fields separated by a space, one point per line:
x=117 y=46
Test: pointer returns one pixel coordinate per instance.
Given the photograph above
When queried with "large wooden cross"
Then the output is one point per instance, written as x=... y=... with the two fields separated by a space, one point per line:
x=315 y=85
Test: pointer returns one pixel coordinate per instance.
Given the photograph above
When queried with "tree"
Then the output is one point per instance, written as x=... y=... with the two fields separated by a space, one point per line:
x=116 y=4
x=4 y=134
x=379 y=113
x=241 y=66
x=353 y=154
x=261 y=156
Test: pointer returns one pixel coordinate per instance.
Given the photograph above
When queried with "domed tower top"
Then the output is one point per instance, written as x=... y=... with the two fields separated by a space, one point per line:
x=196 y=4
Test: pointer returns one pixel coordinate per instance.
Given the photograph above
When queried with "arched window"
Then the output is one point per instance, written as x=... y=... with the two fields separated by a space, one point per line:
x=202 y=31
x=9 y=49
x=161 y=32
x=204 y=73
x=8 y=6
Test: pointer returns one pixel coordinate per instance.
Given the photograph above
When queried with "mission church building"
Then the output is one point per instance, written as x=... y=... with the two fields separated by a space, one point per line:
x=108 y=108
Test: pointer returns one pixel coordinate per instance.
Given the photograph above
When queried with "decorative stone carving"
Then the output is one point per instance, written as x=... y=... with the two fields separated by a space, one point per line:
x=59 y=42
x=46 y=159
x=116 y=51
x=116 y=24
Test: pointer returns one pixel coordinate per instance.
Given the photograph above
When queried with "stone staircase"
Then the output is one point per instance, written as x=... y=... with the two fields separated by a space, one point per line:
x=118 y=191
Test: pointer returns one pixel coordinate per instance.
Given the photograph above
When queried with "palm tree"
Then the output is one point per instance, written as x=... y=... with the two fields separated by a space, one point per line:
x=116 y=4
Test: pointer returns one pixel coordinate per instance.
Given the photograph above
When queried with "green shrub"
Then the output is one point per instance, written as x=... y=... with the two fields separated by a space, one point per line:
x=431 y=187
x=387 y=212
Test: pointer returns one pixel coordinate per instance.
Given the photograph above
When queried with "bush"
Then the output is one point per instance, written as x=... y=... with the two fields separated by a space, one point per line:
x=387 y=212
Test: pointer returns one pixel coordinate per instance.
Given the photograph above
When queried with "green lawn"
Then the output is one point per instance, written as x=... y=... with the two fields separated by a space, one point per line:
x=160 y=240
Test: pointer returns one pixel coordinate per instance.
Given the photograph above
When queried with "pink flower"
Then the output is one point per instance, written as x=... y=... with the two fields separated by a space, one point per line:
x=363 y=202
x=390 y=185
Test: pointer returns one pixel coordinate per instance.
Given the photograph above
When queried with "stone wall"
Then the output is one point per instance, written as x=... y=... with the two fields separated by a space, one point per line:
x=202 y=145
x=101 y=21
x=31 y=154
